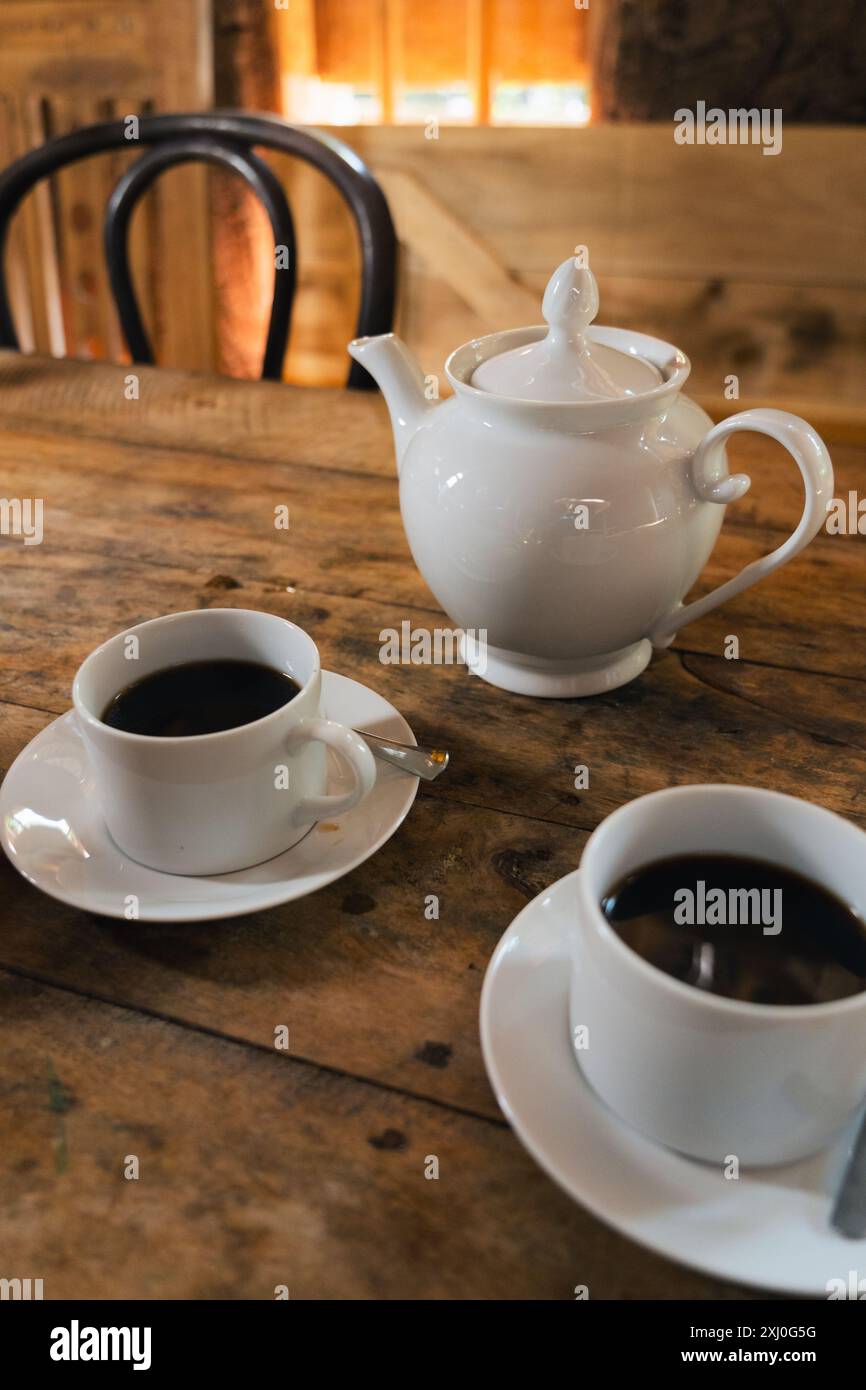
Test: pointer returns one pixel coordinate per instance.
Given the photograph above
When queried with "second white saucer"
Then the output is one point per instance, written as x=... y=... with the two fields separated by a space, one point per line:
x=769 y=1228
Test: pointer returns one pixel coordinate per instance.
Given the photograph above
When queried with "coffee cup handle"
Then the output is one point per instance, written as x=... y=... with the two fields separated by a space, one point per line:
x=712 y=483
x=354 y=750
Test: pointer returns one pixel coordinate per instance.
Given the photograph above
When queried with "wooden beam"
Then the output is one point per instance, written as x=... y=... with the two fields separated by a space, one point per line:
x=450 y=249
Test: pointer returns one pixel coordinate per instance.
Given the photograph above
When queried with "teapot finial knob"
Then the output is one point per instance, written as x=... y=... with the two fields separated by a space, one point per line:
x=570 y=363
x=571 y=299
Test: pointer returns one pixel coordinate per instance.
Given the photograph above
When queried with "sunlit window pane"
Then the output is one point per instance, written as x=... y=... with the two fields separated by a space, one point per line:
x=542 y=103
x=504 y=62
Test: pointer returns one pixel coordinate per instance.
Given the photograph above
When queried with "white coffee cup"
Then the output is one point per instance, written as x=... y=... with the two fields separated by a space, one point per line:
x=710 y=1076
x=213 y=803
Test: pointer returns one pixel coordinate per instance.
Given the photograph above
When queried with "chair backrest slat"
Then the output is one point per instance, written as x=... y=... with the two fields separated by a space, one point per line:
x=267 y=187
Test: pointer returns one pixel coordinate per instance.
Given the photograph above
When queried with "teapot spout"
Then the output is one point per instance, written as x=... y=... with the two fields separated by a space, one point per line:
x=401 y=381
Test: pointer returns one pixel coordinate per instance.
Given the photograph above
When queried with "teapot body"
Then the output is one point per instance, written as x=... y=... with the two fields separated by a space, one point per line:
x=559 y=548
x=564 y=501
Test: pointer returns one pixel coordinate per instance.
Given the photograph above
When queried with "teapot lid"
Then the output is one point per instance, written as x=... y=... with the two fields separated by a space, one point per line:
x=566 y=365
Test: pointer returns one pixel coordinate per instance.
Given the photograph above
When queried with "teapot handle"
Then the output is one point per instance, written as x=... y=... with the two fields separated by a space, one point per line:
x=712 y=483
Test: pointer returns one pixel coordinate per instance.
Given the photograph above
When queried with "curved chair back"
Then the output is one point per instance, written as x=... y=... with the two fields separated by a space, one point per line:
x=228 y=139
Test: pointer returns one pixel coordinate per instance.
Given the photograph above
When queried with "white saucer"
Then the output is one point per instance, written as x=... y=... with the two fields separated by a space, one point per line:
x=770 y=1228
x=54 y=835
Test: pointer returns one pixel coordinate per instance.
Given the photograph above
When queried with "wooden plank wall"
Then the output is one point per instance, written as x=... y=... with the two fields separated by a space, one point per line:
x=67 y=65
x=753 y=264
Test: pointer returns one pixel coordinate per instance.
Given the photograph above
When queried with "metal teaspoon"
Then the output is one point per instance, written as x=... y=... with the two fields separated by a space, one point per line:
x=426 y=763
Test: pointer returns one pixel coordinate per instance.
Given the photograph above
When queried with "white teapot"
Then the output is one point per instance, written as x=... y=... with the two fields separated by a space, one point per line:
x=565 y=499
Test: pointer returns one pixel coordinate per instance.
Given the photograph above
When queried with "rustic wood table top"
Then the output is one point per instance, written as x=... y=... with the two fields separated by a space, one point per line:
x=262 y=1168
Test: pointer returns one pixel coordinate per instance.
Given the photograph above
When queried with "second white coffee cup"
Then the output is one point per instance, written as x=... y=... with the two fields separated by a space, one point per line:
x=713 y=1077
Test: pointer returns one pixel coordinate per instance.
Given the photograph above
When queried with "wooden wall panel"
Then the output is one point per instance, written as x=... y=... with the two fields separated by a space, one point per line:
x=752 y=264
x=644 y=204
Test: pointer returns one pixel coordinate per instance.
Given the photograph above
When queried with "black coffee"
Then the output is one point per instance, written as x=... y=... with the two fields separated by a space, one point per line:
x=740 y=927
x=199 y=697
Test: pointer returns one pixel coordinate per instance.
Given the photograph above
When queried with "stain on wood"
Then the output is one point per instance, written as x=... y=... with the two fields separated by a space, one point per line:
x=434 y=1054
x=358 y=903
x=392 y=1140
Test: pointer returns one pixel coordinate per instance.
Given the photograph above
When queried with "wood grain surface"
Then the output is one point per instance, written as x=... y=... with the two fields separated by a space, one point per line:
x=306 y=1169
x=726 y=253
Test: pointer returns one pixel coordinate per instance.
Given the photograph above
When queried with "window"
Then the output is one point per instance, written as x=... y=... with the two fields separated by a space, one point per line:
x=500 y=62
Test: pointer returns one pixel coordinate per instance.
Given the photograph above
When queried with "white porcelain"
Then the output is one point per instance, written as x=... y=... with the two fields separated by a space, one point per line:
x=53 y=832
x=769 y=1228
x=566 y=365
x=214 y=803
x=706 y=1075
x=570 y=530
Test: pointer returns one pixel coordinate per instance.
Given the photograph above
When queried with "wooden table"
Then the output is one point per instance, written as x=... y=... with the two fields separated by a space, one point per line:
x=258 y=1167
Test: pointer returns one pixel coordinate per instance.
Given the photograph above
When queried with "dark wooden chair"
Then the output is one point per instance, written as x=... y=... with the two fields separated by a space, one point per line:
x=226 y=138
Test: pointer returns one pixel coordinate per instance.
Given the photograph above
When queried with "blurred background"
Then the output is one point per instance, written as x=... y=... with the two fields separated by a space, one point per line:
x=504 y=132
